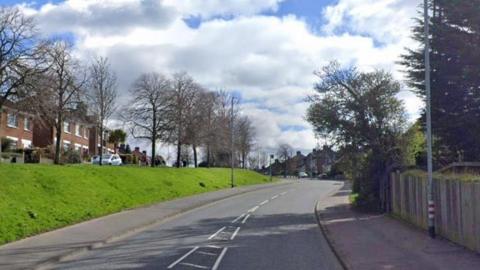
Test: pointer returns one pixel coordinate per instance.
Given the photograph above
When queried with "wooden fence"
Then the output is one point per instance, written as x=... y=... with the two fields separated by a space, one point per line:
x=457 y=206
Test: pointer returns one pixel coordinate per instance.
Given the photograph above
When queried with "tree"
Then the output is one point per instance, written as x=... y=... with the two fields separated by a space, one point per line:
x=455 y=54
x=196 y=121
x=22 y=54
x=284 y=153
x=103 y=95
x=361 y=111
x=151 y=94
x=182 y=101
x=245 y=135
x=62 y=90
x=117 y=137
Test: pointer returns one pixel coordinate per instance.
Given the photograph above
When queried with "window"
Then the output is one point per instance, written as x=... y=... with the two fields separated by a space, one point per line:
x=78 y=130
x=12 y=120
x=85 y=131
x=66 y=127
x=27 y=124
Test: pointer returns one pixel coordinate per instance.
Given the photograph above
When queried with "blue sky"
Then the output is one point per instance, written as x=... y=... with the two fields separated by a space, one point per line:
x=252 y=48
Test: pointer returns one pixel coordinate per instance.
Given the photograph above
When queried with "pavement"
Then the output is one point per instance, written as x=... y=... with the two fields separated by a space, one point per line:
x=371 y=241
x=266 y=227
x=40 y=251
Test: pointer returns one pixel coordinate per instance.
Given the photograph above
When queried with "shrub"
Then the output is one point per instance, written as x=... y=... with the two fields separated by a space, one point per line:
x=71 y=157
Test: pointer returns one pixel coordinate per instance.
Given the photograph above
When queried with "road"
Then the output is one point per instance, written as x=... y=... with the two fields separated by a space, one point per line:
x=273 y=228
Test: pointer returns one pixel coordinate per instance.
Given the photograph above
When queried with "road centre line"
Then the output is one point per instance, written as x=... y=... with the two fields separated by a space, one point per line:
x=238 y=218
x=215 y=234
x=283 y=193
x=219 y=259
x=264 y=202
x=274 y=197
x=182 y=258
x=253 y=209
x=235 y=233
x=245 y=219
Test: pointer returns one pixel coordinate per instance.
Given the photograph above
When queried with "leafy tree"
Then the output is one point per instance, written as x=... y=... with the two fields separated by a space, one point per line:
x=363 y=116
x=117 y=137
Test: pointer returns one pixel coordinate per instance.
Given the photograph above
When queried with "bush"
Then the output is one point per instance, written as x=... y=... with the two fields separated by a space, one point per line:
x=71 y=157
x=129 y=159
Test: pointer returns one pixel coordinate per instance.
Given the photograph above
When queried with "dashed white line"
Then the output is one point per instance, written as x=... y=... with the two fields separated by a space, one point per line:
x=245 y=219
x=235 y=233
x=253 y=209
x=182 y=258
x=219 y=259
x=274 y=197
x=215 y=234
x=264 y=202
x=195 y=265
x=238 y=218
x=283 y=193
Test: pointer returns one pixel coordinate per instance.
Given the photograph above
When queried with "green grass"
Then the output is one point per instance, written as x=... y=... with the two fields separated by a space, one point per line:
x=39 y=198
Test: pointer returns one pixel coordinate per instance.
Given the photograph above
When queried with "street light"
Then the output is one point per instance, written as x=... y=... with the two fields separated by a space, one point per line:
x=271 y=157
x=431 y=204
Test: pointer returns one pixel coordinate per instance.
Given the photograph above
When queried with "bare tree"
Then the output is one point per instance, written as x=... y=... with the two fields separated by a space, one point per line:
x=103 y=95
x=284 y=152
x=182 y=98
x=195 y=130
x=245 y=135
x=146 y=113
x=62 y=89
x=21 y=54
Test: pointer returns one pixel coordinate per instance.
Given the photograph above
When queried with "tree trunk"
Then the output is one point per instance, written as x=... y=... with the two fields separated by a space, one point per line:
x=208 y=156
x=101 y=146
x=152 y=161
x=58 y=136
x=179 y=153
x=195 y=155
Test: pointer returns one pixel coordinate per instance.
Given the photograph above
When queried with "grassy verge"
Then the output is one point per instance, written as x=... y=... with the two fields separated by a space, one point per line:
x=38 y=198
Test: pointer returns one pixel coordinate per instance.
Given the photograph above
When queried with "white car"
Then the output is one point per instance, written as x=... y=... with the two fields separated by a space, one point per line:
x=302 y=175
x=108 y=159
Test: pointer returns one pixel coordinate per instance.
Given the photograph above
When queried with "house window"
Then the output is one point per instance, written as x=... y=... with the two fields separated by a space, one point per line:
x=78 y=129
x=85 y=131
x=66 y=127
x=27 y=124
x=12 y=120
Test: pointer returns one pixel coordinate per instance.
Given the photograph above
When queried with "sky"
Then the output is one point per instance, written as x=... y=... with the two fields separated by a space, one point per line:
x=264 y=50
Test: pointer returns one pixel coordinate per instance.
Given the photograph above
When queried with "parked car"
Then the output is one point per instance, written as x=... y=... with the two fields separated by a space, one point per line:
x=302 y=175
x=108 y=159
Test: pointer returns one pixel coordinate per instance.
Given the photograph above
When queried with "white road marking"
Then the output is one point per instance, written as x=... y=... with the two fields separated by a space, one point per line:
x=274 y=197
x=212 y=246
x=235 y=233
x=264 y=202
x=245 y=219
x=253 y=209
x=182 y=258
x=219 y=259
x=238 y=218
x=215 y=234
x=195 y=265
x=207 y=253
x=283 y=193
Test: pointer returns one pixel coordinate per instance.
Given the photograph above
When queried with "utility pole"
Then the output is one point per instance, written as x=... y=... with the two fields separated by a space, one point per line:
x=431 y=203
x=270 y=159
x=232 y=143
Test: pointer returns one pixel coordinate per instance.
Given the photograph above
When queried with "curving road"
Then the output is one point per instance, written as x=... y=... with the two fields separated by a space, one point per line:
x=272 y=228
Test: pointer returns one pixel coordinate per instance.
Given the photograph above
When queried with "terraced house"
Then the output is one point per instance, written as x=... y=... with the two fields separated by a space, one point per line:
x=17 y=126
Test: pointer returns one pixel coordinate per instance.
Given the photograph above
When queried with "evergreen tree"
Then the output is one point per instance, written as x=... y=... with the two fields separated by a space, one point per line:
x=455 y=63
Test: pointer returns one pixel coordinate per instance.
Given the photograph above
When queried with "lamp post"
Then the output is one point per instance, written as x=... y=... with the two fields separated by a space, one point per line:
x=232 y=143
x=431 y=204
x=271 y=157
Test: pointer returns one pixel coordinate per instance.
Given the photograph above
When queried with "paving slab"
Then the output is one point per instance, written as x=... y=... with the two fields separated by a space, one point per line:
x=372 y=241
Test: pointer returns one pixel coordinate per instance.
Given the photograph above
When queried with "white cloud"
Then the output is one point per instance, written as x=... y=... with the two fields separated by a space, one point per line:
x=269 y=60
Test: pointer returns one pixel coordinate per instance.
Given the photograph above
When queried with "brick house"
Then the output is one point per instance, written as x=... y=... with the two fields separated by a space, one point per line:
x=17 y=126
x=75 y=135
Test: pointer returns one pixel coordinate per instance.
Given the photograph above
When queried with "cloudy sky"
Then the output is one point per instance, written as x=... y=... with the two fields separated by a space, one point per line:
x=264 y=50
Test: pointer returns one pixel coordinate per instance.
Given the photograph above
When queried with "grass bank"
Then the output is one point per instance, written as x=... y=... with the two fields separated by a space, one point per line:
x=39 y=198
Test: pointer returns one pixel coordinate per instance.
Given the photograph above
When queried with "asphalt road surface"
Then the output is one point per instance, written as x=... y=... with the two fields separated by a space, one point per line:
x=273 y=228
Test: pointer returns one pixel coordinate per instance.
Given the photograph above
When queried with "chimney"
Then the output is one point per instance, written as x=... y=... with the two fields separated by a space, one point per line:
x=299 y=153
